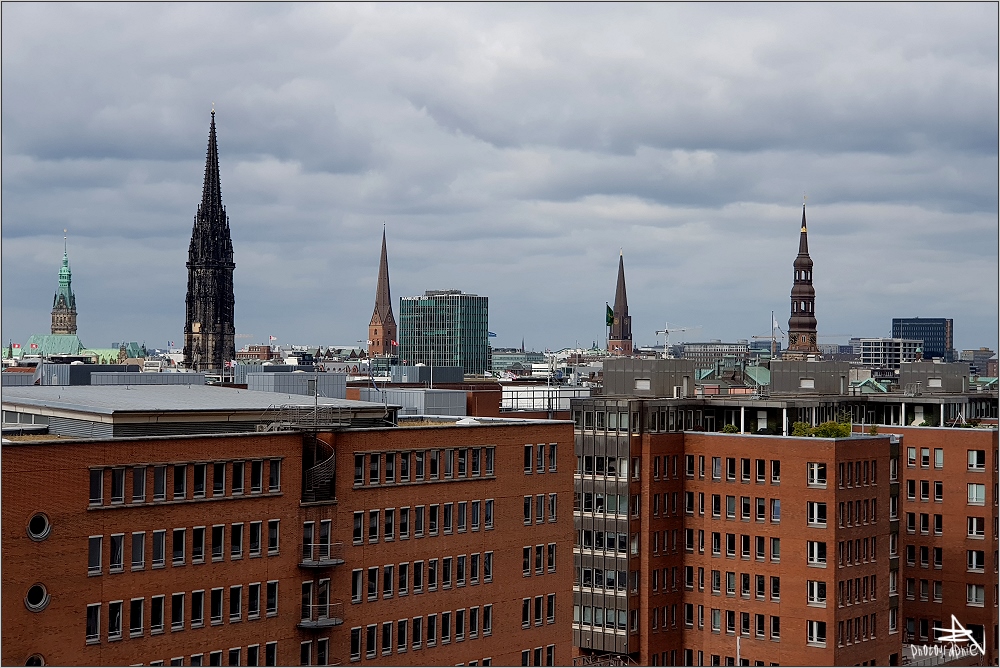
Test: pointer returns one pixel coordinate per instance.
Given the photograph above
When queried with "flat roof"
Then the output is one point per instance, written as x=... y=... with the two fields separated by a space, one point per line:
x=111 y=399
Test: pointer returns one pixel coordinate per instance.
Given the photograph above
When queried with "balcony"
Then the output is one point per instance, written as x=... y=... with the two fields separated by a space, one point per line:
x=322 y=555
x=321 y=616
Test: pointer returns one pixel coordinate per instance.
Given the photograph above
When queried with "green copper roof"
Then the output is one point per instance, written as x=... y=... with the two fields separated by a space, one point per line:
x=64 y=297
x=50 y=344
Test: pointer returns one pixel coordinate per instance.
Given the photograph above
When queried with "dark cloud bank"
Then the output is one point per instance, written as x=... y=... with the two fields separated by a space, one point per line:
x=510 y=150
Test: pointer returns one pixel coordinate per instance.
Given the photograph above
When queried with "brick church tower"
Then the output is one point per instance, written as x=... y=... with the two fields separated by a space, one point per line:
x=209 y=332
x=620 y=337
x=802 y=323
x=382 y=334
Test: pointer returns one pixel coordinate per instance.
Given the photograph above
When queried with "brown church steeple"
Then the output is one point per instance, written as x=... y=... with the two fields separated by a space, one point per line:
x=620 y=338
x=382 y=328
x=802 y=323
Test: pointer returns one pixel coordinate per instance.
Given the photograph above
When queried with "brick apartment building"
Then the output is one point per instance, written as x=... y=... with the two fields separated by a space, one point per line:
x=696 y=547
x=731 y=539
x=326 y=539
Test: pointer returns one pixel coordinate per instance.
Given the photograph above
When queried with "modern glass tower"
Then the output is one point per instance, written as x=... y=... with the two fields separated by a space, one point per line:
x=445 y=328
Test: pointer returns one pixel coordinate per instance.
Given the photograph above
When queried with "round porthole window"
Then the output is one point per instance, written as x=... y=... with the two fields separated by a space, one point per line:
x=37 y=598
x=39 y=526
x=35 y=660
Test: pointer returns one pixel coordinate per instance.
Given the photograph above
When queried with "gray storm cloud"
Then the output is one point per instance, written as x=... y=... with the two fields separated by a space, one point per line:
x=510 y=150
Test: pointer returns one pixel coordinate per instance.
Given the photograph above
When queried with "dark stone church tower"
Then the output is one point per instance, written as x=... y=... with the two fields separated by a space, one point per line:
x=382 y=328
x=620 y=337
x=209 y=332
x=802 y=323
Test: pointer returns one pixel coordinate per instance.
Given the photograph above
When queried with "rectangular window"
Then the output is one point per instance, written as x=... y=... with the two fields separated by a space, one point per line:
x=417 y=627
x=118 y=485
x=179 y=539
x=96 y=487
x=115 y=620
x=200 y=477
x=255 y=539
x=272 y=537
x=138 y=484
x=159 y=483
x=816 y=474
x=816 y=553
x=198 y=608
x=177 y=612
x=488 y=515
x=977 y=494
x=816 y=633
x=135 y=623
x=235 y=603
x=418 y=577
x=388 y=579
x=432 y=519
x=449 y=517
x=219 y=479
x=180 y=481
x=390 y=524
x=390 y=467
x=253 y=600
x=256 y=476
x=138 y=550
x=236 y=541
x=216 y=605
x=238 y=475
x=156 y=614
x=816 y=514
x=775 y=471
x=274 y=476
x=271 y=602
x=218 y=542
x=159 y=548
x=271 y=653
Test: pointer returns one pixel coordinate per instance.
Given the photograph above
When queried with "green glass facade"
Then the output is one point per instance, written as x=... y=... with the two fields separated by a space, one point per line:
x=445 y=328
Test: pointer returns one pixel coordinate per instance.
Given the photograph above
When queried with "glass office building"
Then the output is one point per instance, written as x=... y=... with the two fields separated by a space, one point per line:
x=445 y=328
x=938 y=335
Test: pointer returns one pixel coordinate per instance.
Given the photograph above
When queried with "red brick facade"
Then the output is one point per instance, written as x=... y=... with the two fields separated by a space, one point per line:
x=267 y=596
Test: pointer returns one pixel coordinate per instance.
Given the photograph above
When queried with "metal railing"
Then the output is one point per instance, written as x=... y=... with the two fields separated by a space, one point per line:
x=322 y=615
x=292 y=417
x=541 y=398
x=322 y=555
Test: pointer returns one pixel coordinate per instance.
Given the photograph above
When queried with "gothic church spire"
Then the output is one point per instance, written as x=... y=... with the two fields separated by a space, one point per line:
x=209 y=331
x=382 y=327
x=620 y=339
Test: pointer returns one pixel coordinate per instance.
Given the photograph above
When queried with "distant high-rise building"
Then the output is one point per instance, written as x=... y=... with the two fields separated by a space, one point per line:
x=64 y=302
x=620 y=337
x=382 y=328
x=938 y=335
x=802 y=323
x=209 y=332
x=445 y=328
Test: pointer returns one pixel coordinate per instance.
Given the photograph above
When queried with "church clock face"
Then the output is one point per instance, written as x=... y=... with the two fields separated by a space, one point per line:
x=793 y=339
x=812 y=339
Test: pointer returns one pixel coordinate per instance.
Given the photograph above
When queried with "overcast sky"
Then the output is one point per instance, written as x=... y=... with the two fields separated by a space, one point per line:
x=510 y=151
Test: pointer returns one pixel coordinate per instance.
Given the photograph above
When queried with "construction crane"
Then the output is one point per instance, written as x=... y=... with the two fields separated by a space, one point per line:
x=667 y=330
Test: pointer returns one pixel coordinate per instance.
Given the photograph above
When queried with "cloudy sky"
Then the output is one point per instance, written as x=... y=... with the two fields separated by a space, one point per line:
x=510 y=151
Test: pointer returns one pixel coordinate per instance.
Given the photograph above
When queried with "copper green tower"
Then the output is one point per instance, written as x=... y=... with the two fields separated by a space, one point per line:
x=64 y=301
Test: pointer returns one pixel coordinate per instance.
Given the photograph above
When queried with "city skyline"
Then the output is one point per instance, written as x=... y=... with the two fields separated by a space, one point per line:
x=509 y=153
